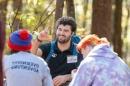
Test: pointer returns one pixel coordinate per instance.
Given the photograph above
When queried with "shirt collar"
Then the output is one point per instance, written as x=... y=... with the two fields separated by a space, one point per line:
x=68 y=50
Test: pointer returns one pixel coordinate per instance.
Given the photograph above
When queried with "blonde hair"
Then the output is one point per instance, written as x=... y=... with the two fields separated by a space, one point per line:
x=91 y=40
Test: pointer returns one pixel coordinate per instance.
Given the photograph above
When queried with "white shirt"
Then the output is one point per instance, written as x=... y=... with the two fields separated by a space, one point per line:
x=26 y=69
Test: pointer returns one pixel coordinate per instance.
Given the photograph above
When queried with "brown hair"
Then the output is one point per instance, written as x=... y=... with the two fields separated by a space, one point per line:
x=65 y=20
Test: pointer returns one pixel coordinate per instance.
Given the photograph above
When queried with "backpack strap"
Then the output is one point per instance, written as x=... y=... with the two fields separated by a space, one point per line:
x=51 y=53
x=74 y=51
x=76 y=39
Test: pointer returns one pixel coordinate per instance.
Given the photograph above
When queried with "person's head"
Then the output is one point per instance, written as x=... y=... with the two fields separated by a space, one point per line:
x=89 y=42
x=65 y=27
x=20 y=40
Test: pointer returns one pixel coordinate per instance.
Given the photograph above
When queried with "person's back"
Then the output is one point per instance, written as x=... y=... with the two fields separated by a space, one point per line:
x=101 y=65
x=111 y=70
x=22 y=68
x=26 y=69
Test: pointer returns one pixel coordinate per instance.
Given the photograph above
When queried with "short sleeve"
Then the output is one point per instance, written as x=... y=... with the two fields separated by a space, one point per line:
x=45 y=49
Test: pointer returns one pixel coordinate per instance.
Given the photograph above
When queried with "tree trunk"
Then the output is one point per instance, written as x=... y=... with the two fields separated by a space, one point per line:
x=125 y=32
x=59 y=9
x=117 y=40
x=58 y=13
x=17 y=6
x=70 y=8
x=2 y=41
x=3 y=10
x=85 y=8
x=102 y=18
x=127 y=5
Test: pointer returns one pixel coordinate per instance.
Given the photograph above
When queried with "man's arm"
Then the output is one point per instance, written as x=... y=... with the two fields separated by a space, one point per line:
x=35 y=43
x=35 y=48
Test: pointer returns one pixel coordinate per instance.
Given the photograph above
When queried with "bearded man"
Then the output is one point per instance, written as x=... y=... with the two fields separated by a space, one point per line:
x=60 y=54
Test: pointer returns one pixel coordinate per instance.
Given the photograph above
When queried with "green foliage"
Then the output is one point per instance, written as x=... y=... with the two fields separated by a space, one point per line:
x=29 y=20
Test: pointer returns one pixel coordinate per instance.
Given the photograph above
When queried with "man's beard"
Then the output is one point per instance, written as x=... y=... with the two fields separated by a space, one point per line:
x=67 y=39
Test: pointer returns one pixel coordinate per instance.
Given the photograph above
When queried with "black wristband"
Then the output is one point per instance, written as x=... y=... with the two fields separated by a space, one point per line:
x=38 y=39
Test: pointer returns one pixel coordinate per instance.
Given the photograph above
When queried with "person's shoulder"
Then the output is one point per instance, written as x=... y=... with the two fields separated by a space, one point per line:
x=5 y=57
x=96 y=62
x=9 y=56
x=90 y=64
x=76 y=39
x=42 y=62
x=38 y=59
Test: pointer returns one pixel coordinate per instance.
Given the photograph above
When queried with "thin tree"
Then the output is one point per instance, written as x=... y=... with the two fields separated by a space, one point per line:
x=117 y=31
x=3 y=11
x=102 y=18
x=85 y=8
x=17 y=7
x=2 y=41
x=59 y=9
x=70 y=8
x=58 y=13
x=125 y=32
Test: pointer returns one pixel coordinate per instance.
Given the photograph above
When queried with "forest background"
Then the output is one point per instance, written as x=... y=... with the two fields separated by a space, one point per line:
x=106 y=18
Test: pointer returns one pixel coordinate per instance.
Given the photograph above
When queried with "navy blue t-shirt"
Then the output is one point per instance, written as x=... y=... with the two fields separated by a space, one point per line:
x=58 y=63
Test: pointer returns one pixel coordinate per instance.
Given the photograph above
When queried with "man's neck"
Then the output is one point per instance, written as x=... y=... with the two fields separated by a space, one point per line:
x=64 y=46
